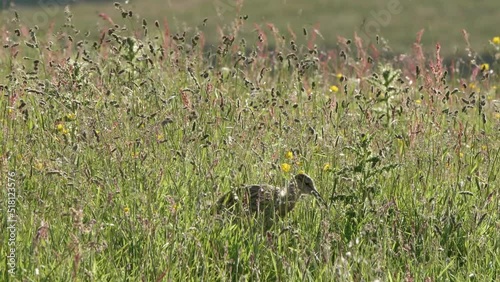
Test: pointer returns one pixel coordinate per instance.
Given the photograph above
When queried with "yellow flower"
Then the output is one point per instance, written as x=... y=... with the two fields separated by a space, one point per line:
x=418 y=102
x=497 y=115
x=289 y=155
x=484 y=147
x=10 y=110
x=38 y=165
x=285 y=167
x=334 y=89
x=65 y=131
x=472 y=85
x=339 y=75
x=159 y=137
x=326 y=167
x=60 y=127
x=70 y=116
x=485 y=67
x=496 y=40
x=126 y=210
x=301 y=171
x=176 y=207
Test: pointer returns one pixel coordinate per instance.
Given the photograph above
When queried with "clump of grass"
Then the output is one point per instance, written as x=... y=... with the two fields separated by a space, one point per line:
x=122 y=144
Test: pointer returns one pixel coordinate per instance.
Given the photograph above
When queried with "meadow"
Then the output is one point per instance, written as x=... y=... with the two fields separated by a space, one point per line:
x=115 y=148
x=398 y=21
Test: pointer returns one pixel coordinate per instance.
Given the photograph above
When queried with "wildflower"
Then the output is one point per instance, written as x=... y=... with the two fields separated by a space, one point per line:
x=326 y=167
x=70 y=117
x=339 y=75
x=484 y=147
x=175 y=207
x=334 y=89
x=496 y=40
x=418 y=101
x=38 y=165
x=126 y=210
x=485 y=67
x=289 y=155
x=285 y=167
x=65 y=131
x=60 y=127
x=159 y=137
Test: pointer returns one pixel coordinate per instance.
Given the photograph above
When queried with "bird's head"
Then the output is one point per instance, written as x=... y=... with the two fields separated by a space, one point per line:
x=305 y=184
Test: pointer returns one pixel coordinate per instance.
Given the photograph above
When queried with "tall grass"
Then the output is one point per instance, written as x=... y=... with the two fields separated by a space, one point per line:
x=121 y=145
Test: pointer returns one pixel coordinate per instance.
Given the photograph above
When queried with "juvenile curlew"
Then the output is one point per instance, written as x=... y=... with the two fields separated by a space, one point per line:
x=266 y=200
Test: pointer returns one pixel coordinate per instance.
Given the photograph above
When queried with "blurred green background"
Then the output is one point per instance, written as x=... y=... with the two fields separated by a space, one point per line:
x=397 y=21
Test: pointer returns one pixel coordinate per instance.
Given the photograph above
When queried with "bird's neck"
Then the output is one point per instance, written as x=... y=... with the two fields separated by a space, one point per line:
x=292 y=192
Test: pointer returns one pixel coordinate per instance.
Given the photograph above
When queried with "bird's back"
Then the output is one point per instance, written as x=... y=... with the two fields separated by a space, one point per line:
x=260 y=198
x=252 y=198
x=264 y=200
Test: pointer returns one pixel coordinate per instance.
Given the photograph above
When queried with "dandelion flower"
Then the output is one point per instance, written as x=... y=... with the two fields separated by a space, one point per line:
x=70 y=116
x=285 y=167
x=289 y=155
x=485 y=67
x=334 y=89
x=339 y=75
x=175 y=207
x=496 y=40
x=60 y=127
x=326 y=167
x=38 y=165
x=126 y=210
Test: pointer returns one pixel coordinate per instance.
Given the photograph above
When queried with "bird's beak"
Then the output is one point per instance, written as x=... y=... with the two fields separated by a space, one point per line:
x=318 y=197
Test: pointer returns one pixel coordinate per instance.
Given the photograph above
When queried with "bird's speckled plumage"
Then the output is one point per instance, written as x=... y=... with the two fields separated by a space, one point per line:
x=267 y=200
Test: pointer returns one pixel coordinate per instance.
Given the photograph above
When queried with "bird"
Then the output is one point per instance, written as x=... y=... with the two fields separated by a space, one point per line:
x=267 y=200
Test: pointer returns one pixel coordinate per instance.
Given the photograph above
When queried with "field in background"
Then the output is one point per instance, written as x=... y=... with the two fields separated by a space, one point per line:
x=114 y=148
x=398 y=20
